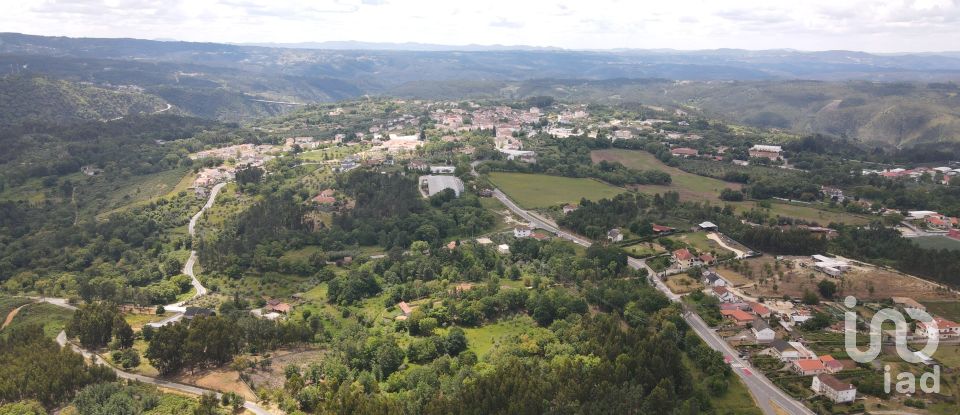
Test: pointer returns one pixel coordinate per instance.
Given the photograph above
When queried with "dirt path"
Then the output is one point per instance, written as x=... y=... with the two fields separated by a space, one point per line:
x=716 y=238
x=12 y=315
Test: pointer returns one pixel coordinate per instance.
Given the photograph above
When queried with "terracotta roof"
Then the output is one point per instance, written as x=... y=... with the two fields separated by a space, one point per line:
x=661 y=228
x=720 y=290
x=682 y=255
x=759 y=308
x=404 y=307
x=738 y=315
x=706 y=258
x=808 y=365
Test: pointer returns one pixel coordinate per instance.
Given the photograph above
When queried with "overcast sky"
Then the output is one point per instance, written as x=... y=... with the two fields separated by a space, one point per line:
x=867 y=25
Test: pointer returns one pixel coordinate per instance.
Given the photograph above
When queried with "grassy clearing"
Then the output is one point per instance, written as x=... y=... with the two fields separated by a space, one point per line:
x=949 y=310
x=644 y=249
x=51 y=317
x=809 y=213
x=682 y=284
x=690 y=186
x=699 y=188
x=937 y=242
x=949 y=355
x=699 y=241
x=540 y=190
x=137 y=321
x=134 y=190
x=482 y=340
x=8 y=304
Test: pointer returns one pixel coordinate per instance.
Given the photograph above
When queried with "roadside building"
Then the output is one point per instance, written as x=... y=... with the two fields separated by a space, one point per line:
x=833 y=388
x=808 y=367
x=683 y=258
x=738 y=317
x=568 y=208
x=522 y=231
x=762 y=331
x=712 y=279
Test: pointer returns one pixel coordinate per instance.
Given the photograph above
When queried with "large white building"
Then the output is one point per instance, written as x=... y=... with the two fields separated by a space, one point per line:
x=833 y=388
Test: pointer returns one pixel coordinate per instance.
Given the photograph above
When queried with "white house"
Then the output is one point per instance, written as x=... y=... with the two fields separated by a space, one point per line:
x=522 y=231
x=614 y=235
x=833 y=388
x=712 y=279
x=708 y=226
x=503 y=248
x=762 y=331
x=941 y=329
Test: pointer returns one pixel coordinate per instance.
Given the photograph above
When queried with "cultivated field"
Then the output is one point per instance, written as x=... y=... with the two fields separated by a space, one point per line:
x=541 y=190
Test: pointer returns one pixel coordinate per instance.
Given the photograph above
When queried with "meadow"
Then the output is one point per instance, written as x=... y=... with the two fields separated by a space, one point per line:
x=937 y=242
x=693 y=187
x=541 y=191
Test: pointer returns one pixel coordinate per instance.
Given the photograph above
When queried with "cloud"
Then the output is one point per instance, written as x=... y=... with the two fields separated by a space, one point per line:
x=506 y=24
x=894 y=25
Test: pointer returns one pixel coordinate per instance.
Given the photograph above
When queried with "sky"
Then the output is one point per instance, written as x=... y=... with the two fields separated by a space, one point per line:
x=864 y=25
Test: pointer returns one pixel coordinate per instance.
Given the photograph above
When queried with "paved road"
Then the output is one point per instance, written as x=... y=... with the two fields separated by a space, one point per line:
x=199 y=289
x=194 y=390
x=763 y=390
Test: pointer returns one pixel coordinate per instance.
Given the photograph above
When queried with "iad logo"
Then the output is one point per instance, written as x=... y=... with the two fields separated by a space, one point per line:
x=906 y=381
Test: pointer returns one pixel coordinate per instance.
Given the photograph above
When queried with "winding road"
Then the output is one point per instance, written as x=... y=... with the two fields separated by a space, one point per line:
x=767 y=395
x=200 y=290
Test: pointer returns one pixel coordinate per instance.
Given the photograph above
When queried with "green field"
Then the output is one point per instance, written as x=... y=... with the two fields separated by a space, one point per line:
x=8 y=304
x=135 y=189
x=540 y=190
x=643 y=249
x=699 y=188
x=482 y=340
x=937 y=242
x=52 y=318
x=690 y=186
x=809 y=213
x=949 y=310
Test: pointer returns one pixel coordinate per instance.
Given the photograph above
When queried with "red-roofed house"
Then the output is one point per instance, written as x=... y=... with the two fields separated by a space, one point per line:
x=938 y=222
x=684 y=152
x=683 y=258
x=759 y=309
x=707 y=259
x=740 y=317
x=945 y=329
x=661 y=229
x=278 y=307
x=808 y=367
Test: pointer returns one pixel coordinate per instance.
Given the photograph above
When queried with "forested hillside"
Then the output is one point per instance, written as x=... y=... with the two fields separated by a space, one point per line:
x=34 y=98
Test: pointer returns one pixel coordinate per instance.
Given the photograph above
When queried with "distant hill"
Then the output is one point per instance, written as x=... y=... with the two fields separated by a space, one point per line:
x=887 y=114
x=35 y=98
x=894 y=99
